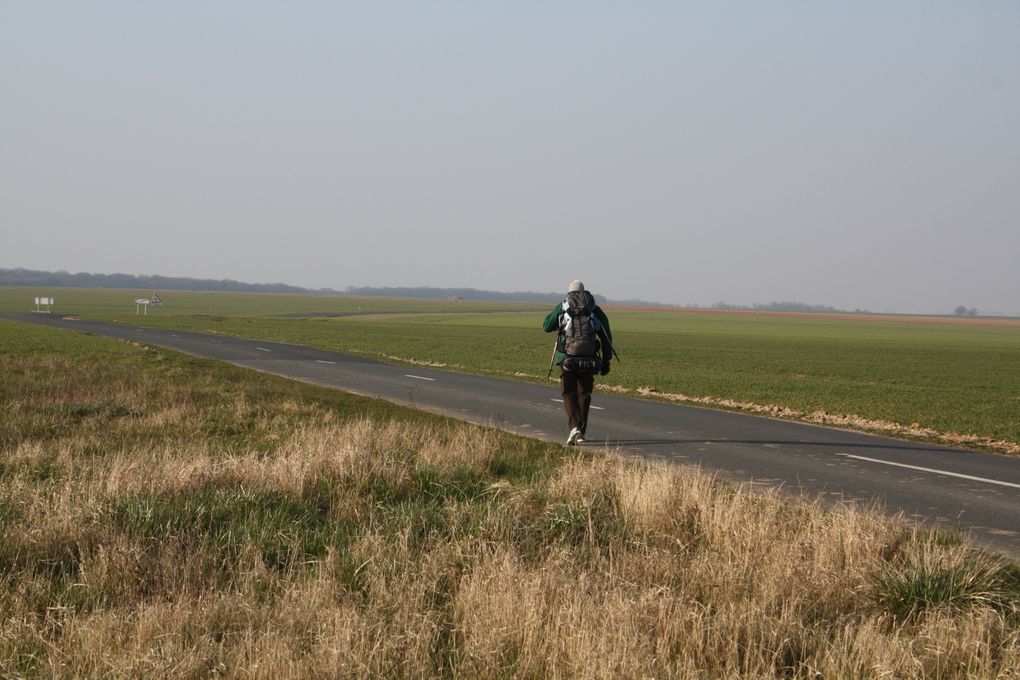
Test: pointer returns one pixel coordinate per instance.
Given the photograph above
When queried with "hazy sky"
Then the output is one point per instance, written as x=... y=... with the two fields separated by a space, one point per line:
x=854 y=154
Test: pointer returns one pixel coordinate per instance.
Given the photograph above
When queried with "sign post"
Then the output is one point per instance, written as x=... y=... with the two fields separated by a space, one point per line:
x=143 y=303
x=44 y=302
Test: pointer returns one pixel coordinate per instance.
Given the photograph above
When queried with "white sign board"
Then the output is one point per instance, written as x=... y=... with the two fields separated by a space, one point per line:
x=46 y=302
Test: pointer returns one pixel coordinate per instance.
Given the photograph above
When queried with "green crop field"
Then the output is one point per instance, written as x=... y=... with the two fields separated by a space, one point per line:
x=943 y=376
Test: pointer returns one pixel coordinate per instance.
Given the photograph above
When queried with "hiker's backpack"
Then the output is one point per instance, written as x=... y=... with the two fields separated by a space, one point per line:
x=578 y=325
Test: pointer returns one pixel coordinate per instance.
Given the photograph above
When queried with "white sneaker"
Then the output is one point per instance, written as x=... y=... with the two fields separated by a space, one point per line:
x=574 y=437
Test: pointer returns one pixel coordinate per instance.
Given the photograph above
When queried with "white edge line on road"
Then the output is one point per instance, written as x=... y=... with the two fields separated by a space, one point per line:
x=322 y=361
x=419 y=377
x=932 y=470
x=263 y=349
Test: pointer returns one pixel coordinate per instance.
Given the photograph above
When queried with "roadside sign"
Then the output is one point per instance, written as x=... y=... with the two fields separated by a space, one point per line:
x=155 y=300
x=43 y=302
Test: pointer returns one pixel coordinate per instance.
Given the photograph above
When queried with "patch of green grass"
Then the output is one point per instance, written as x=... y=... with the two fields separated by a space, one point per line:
x=463 y=483
x=594 y=521
x=931 y=580
x=27 y=657
x=54 y=556
x=11 y=516
x=284 y=530
x=424 y=523
x=104 y=409
x=39 y=471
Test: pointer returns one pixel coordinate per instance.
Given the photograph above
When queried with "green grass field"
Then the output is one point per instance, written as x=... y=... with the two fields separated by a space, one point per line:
x=944 y=375
x=163 y=516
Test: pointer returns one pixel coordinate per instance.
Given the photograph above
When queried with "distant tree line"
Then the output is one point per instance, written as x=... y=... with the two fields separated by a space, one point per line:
x=427 y=293
x=787 y=307
x=63 y=279
x=963 y=311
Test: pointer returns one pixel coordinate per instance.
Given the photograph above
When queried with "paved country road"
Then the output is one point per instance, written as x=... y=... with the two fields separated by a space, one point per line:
x=973 y=491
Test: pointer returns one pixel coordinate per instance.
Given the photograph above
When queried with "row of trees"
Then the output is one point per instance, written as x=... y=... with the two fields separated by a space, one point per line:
x=63 y=279
x=785 y=307
x=427 y=293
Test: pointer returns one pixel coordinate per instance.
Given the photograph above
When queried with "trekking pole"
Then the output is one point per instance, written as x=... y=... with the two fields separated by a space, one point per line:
x=552 y=359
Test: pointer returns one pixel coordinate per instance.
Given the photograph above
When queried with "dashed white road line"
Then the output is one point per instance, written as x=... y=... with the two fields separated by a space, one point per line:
x=263 y=349
x=419 y=377
x=932 y=470
x=597 y=408
x=323 y=361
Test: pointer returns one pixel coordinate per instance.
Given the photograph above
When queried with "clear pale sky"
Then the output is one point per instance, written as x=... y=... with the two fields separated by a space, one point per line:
x=853 y=154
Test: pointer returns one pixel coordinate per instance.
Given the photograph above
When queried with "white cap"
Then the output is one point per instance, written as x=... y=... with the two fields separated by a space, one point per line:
x=575 y=286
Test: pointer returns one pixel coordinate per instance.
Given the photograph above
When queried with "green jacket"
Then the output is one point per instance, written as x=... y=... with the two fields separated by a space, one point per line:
x=552 y=323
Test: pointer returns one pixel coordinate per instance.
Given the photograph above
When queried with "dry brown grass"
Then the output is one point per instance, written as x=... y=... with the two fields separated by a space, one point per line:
x=134 y=548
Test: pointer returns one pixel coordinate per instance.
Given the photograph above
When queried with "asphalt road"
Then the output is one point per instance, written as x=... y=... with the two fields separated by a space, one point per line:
x=976 y=492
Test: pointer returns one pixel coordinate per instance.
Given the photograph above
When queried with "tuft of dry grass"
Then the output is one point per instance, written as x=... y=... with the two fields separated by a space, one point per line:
x=239 y=526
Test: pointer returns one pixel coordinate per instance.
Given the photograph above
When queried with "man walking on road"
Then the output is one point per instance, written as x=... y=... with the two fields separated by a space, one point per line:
x=584 y=347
